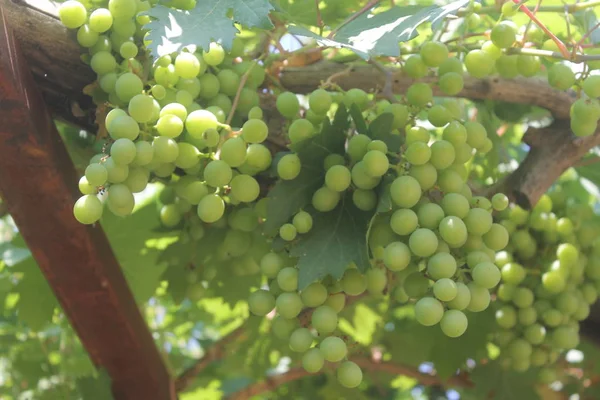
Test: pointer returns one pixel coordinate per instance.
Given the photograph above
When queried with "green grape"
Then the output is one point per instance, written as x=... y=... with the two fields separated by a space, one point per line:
x=289 y=167
x=426 y=175
x=527 y=65
x=122 y=126
x=454 y=323
x=365 y=200
x=170 y=215
x=102 y=44
x=439 y=115
x=567 y=254
x=107 y=83
x=455 y=133
x=419 y=94
x=433 y=53
x=591 y=86
x=358 y=97
x=504 y=34
x=313 y=360
x=261 y=302
x=396 y=256
x=120 y=199
x=509 y=9
x=486 y=274
x=314 y=295
x=451 y=83
x=211 y=208
x=454 y=204
x=299 y=130
x=169 y=125
x=349 y=374
x=128 y=85
x=418 y=153
x=174 y=109
x=376 y=163
x=519 y=349
x=336 y=301
x=561 y=77
x=499 y=201
x=103 y=62
x=428 y=311
x=445 y=289
x=506 y=65
x=122 y=8
x=255 y=131
x=319 y=101
x=415 y=67
x=417 y=134
x=478 y=221
x=476 y=134
x=271 y=264
x=449 y=181
x=430 y=215
x=361 y=177
x=140 y=108
x=567 y=303
x=338 y=178
x=218 y=173
x=287 y=278
x=244 y=188
x=324 y=319
x=353 y=282
x=123 y=151
x=404 y=221
x=400 y=112
x=441 y=265
x=535 y=334
x=289 y=304
x=476 y=257
x=255 y=113
x=100 y=20
x=416 y=285
x=405 y=191
x=288 y=232
x=423 y=242
x=137 y=179
x=480 y=298
x=85 y=187
x=86 y=37
x=506 y=317
x=565 y=337
x=96 y=174
x=229 y=82
x=454 y=231
x=462 y=299
x=300 y=340
x=333 y=348
x=333 y=159
x=523 y=297
x=283 y=328
x=72 y=14
x=287 y=104
x=209 y=89
x=376 y=281
x=116 y=173
x=325 y=199
x=442 y=154
x=197 y=122
x=87 y=209
x=479 y=63
x=358 y=147
x=233 y=152
x=303 y=222
x=450 y=65
x=496 y=238
x=513 y=273
x=215 y=54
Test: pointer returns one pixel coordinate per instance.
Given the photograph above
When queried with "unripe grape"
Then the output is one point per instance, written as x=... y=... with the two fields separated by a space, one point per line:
x=324 y=319
x=454 y=323
x=288 y=232
x=591 y=86
x=338 y=178
x=445 y=289
x=313 y=360
x=504 y=34
x=376 y=163
x=289 y=305
x=414 y=67
x=404 y=221
x=325 y=199
x=419 y=94
x=451 y=83
x=261 y=302
x=255 y=131
x=433 y=53
x=314 y=295
x=287 y=104
x=423 y=242
x=300 y=340
x=405 y=191
x=289 y=166
x=353 y=283
x=396 y=256
x=349 y=374
x=527 y=65
x=319 y=101
x=88 y=209
x=72 y=14
x=299 y=130
x=479 y=63
x=561 y=76
x=333 y=348
x=428 y=311
x=211 y=208
x=364 y=200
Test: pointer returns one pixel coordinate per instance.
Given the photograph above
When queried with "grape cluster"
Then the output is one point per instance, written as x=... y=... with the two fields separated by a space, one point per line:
x=550 y=277
x=170 y=120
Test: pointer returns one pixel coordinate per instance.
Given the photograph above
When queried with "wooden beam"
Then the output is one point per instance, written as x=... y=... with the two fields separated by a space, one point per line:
x=38 y=185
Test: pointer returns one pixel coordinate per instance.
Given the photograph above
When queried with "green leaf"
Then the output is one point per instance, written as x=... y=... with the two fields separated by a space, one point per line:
x=359 y=121
x=336 y=239
x=36 y=300
x=171 y=30
x=495 y=383
x=97 y=388
x=288 y=197
x=381 y=129
x=379 y=34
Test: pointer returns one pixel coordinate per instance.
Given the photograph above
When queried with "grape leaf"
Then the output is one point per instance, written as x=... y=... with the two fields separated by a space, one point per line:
x=36 y=300
x=97 y=388
x=171 y=30
x=495 y=383
x=336 y=239
x=288 y=197
x=359 y=120
x=381 y=129
x=379 y=34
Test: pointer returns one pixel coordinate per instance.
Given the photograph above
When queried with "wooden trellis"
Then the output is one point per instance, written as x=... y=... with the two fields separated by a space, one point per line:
x=38 y=185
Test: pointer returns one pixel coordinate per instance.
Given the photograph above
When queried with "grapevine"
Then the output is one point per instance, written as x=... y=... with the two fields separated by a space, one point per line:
x=373 y=196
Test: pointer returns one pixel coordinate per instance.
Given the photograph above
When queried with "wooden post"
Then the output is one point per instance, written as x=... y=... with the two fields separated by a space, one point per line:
x=38 y=184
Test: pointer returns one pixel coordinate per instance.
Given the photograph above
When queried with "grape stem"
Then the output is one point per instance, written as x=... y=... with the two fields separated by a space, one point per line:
x=561 y=46
x=236 y=99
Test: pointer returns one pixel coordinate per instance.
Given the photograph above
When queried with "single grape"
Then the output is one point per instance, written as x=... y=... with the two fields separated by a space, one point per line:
x=96 y=174
x=480 y=298
x=396 y=256
x=562 y=77
x=496 y=238
x=453 y=230
x=445 y=289
x=376 y=163
x=404 y=221
x=87 y=209
x=244 y=188
x=319 y=101
x=451 y=83
x=72 y=14
x=414 y=67
x=261 y=302
x=128 y=85
x=438 y=115
x=287 y=104
x=423 y=242
x=313 y=360
x=454 y=323
x=314 y=295
x=324 y=319
x=504 y=34
x=419 y=94
x=486 y=274
x=400 y=112
x=338 y=178
x=299 y=130
x=289 y=304
x=300 y=340
x=527 y=65
x=462 y=299
x=289 y=166
x=441 y=265
x=197 y=122
x=418 y=153
x=255 y=131
x=479 y=63
x=405 y=191
x=353 y=282
x=426 y=175
x=211 y=208
x=333 y=348
x=591 y=86
x=123 y=151
x=433 y=53
x=349 y=374
x=325 y=199
x=442 y=154
x=428 y=311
